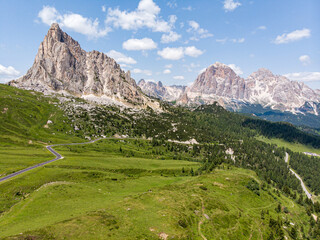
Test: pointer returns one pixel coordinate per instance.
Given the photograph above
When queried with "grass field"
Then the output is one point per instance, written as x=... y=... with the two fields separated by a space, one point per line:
x=296 y=147
x=15 y=158
x=117 y=189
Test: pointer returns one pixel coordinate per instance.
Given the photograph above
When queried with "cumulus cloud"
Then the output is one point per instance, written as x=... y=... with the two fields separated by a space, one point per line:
x=193 y=51
x=233 y=40
x=167 y=71
x=73 y=21
x=262 y=28
x=103 y=9
x=168 y=66
x=304 y=76
x=145 y=16
x=178 y=77
x=236 y=69
x=8 y=73
x=189 y=8
x=230 y=5
x=139 y=44
x=170 y=37
x=140 y=71
x=172 y=4
x=191 y=66
x=202 y=70
x=180 y=52
x=222 y=40
x=120 y=57
x=305 y=59
x=293 y=36
x=172 y=53
x=197 y=31
x=237 y=40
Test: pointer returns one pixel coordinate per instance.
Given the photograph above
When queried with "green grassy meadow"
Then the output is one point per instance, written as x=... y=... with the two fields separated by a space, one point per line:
x=124 y=189
x=296 y=147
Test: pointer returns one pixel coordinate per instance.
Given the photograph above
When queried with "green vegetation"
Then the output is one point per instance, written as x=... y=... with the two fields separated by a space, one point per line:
x=295 y=147
x=99 y=191
x=228 y=186
x=24 y=119
x=284 y=131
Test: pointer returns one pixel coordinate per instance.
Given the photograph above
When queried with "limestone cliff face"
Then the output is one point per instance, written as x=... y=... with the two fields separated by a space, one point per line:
x=220 y=83
x=158 y=90
x=61 y=65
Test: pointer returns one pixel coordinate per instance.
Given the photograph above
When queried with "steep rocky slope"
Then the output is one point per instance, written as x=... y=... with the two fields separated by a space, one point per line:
x=157 y=90
x=61 y=65
x=220 y=83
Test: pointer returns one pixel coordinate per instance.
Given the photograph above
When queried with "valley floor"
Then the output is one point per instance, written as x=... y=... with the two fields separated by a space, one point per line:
x=123 y=189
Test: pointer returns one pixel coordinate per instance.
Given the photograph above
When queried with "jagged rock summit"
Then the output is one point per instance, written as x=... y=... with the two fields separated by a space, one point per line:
x=219 y=83
x=61 y=65
x=158 y=90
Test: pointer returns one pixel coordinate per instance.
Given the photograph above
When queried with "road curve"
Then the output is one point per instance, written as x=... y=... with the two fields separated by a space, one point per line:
x=50 y=148
x=309 y=195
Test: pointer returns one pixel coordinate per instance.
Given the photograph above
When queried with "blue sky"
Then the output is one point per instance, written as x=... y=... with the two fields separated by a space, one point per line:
x=172 y=41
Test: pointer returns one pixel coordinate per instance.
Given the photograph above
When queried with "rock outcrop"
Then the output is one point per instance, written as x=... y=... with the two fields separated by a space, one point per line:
x=157 y=90
x=219 y=83
x=61 y=65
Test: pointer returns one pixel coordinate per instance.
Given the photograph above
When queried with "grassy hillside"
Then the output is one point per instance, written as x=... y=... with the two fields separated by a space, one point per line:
x=296 y=147
x=150 y=188
x=24 y=128
x=24 y=117
x=98 y=191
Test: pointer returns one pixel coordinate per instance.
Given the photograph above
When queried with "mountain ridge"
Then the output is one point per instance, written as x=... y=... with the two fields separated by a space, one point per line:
x=62 y=66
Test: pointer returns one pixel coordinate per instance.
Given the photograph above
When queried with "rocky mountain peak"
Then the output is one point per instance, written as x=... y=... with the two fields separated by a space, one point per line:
x=262 y=73
x=61 y=65
x=219 y=83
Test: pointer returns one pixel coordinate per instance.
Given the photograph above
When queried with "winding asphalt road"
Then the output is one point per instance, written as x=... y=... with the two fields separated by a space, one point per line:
x=309 y=195
x=50 y=148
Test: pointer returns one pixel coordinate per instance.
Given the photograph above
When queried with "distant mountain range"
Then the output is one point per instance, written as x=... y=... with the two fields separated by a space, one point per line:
x=62 y=66
x=157 y=90
x=263 y=94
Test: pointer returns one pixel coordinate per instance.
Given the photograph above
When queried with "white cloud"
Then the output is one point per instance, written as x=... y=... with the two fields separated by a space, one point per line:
x=49 y=15
x=222 y=40
x=120 y=57
x=191 y=66
x=239 y=40
x=293 y=36
x=103 y=9
x=202 y=70
x=140 y=71
x=197 y=31
x=262 y=28
x=172 y=4
x=178 y=53
x=8 y=73
x=193 y=51
x=236 y=69
x=178 y=77
x=145 y=16
x=189 y=8
x=172 y=53
x=304 y=76
x=305 y=59
x=151 y=80
x=139 y=44
x=167 y=71
x=168 y=66
x=73 y=21
x=230 y=5
x=171 y=37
